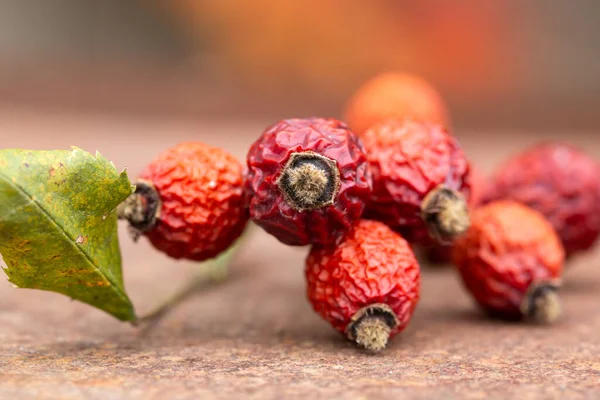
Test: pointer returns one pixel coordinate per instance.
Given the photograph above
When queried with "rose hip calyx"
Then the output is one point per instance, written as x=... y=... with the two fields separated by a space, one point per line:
x=371 y=326
x=309 y=181
x=446 y=214
x=141 y=209
x=541 y=303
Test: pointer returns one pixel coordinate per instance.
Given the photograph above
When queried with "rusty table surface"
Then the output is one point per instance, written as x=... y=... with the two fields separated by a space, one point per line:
x=255 y=336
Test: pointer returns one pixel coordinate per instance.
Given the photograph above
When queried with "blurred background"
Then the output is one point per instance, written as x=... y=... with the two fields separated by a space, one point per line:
x=503 y=64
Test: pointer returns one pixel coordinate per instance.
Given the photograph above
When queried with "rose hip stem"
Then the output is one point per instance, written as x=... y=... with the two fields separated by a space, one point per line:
x=209 y=273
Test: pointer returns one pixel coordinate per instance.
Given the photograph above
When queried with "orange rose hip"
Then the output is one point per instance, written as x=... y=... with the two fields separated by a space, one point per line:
x=511 y=260
x=189 y=202
x=394 y=95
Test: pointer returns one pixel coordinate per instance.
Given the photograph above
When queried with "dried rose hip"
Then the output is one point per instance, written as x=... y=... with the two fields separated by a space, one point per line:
x=394 y=95
x=562 y=183
x=366 y=285
x=421 y=181
x=307 y=180
x=511 y=261
x=189 y=202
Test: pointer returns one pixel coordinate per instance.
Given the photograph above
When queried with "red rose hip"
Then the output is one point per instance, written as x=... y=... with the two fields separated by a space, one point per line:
x=511 y=260
x=559 y=181
x=421 y=180
x=189 y=202
x=366 y=285
x=307 y=180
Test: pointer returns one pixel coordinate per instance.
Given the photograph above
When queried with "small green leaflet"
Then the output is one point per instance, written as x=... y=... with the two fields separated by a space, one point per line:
x=58 y=226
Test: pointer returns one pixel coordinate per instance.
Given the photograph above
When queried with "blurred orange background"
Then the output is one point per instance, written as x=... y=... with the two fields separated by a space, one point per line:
x=499 y=64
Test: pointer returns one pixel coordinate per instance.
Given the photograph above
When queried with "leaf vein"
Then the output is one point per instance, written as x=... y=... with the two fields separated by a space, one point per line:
x=65 y=233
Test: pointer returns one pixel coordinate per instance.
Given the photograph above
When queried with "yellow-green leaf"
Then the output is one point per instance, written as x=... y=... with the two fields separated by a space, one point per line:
x=58 y=227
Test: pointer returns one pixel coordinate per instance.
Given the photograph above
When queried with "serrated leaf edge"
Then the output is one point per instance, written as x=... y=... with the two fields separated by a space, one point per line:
x=71 y=240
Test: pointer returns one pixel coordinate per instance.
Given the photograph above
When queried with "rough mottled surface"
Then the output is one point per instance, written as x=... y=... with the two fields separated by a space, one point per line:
x=256 y=336
x=201 y=189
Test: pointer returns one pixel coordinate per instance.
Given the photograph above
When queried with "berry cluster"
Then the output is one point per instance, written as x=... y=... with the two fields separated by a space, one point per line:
x=361 y=194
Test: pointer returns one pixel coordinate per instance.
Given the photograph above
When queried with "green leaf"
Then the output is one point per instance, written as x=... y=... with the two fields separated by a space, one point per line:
x=58 y=226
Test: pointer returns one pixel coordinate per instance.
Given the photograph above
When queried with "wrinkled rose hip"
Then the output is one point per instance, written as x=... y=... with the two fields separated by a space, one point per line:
x=511 y=260
x=189 y=202
x=366 y=285
x=394 y=95
x=307 y=180
x=562 y=183
x=421 y=180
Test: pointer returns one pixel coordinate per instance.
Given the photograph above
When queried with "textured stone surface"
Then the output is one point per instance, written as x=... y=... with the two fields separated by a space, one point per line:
x=255 y=335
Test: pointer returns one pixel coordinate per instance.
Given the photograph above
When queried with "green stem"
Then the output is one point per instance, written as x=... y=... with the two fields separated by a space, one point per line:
x=211 y=272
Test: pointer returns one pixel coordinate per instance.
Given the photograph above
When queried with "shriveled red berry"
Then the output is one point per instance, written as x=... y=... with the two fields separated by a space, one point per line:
x=421 y=180
x=562 y=183
x=394 y=95
x=307 y=180
x=189 y=201
x=366 y=285
x=511 y=260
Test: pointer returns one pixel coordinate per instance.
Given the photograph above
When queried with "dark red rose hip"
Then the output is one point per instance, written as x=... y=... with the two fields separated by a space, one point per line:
x=307 y=180
x=559 y=181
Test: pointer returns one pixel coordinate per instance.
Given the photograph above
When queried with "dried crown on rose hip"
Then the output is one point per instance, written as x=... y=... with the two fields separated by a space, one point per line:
x=436 y=253
x=189 y=202
x=307 y=180
x=421 y=180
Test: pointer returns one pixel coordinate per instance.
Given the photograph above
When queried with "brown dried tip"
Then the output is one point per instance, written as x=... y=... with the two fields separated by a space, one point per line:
x=309 y=181
x=370 y=327
x=140 y=209
x=542 y=303
x=445 y=213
